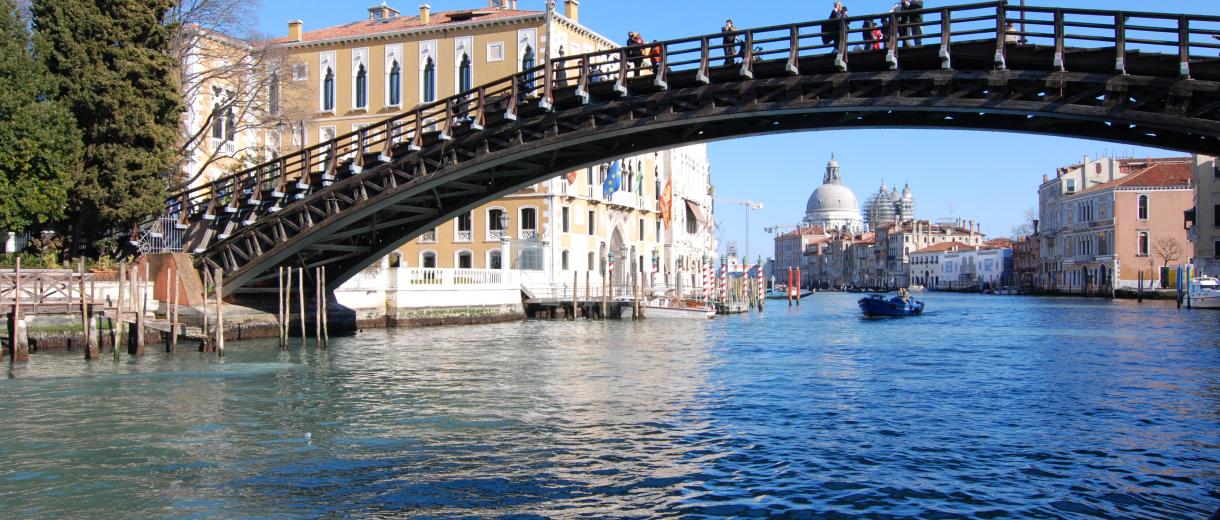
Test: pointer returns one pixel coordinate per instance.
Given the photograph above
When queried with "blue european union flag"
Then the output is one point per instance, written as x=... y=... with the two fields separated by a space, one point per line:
x=614 y=179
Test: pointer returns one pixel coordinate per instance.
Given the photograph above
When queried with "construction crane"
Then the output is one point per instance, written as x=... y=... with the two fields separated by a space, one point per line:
x=750 y=206
x=780 y=227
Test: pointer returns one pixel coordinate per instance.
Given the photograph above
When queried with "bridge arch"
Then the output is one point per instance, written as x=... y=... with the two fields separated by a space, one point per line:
x=414 y=171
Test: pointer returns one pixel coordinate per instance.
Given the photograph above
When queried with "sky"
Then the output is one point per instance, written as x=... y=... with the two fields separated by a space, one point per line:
x=989 y=177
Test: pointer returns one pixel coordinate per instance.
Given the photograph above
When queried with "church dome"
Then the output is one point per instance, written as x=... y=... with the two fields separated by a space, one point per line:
x=833 y=205
x=832 y=197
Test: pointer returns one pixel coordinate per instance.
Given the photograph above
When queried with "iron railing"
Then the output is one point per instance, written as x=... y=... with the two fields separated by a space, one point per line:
x=1191 y=38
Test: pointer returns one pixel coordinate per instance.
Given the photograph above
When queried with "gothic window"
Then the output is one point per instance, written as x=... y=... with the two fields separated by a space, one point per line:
x=527 y=63
x=328 y=91
x=218 y=127
x=230 y=125
x=395 y=84
x=362 y=87
x=1143 y=207
x=429 y=81
x=465 y=78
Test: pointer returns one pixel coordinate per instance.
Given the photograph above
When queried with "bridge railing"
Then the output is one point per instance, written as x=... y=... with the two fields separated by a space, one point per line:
x=1189 y=37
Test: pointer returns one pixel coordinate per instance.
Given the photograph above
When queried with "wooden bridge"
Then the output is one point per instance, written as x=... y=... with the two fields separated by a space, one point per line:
x=1141 y=78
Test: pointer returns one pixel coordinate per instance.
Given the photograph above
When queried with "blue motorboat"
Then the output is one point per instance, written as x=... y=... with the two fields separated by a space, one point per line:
x=878 y=305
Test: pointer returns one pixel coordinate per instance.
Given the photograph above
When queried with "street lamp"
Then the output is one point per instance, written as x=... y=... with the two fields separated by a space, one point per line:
x=505 y=256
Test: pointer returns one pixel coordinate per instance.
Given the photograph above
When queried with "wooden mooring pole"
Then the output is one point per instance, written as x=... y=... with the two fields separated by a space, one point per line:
x=140 y=304
x=89 y=344
x=287 y=305
x=279 y=302
x=19 y=341
x=220 y=314
x=173 y=325
x=588 y=292
x=1139 y=293
x=575 y=292
x=325 y=312
x=204 y=344
x=301 y=298
x=317 y=307
x=605 y=294
x=119 y=324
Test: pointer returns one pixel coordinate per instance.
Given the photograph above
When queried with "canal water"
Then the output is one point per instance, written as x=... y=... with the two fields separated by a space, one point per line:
x=985 y=407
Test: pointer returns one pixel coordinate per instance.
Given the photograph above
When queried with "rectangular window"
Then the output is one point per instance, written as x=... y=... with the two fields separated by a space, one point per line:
x=495 y=51
x=566 y=227
x=592 y=223
x=641 y=230
x=1071 y=186
x=658 y=237
x=1216 y=249
x=1216 y=215
x=300 y=71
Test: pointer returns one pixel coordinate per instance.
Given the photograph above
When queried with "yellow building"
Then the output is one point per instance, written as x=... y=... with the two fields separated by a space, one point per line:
x=345 y=77
x=577 y=223
x=228 y=123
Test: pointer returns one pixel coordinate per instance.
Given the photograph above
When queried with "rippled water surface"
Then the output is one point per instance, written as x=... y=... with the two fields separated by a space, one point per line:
x=985 y=407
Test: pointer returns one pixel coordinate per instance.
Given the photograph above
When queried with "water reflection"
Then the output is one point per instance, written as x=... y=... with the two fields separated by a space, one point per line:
x=985 y=406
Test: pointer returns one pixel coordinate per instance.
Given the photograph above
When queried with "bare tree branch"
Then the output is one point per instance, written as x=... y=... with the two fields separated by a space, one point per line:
x=1167 y=249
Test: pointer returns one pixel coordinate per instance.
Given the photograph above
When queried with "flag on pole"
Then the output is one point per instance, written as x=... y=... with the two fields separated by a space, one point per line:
x=613 y=179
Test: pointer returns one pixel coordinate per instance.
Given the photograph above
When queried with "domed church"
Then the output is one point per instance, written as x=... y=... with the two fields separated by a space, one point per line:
x=833 y=206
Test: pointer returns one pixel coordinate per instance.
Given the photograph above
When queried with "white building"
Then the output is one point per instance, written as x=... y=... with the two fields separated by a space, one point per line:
x=954 y=265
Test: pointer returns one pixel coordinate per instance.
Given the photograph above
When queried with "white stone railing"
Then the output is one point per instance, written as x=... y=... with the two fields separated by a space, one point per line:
x=420 y=276
x=494 y=235
x=429 y=237
x=464 y=236
x=528 y=234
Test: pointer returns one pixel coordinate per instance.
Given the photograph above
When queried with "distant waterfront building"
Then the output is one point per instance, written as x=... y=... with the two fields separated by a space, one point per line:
x=1205 y=218
x=833 y=206
x=957 y=266
x=1026 y=259
x=1105 y=221
x=896 y=242
x=888 y=206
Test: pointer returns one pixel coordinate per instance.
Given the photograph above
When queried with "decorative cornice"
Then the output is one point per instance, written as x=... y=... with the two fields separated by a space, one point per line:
x=416 y=31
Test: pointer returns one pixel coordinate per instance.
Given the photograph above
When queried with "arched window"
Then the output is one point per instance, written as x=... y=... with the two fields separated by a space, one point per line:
x=465 y=260
x=465 y=78
x=1142 y=244
x=429 y=81
x=218 y=125
x=395 y=84
x=527 y=63
x=495 y=230
x=427 y=260
x=528 y=223
x=362 y=87
x=328 y=91
x=1143 y=207
x=230 y=125
x=495 y=260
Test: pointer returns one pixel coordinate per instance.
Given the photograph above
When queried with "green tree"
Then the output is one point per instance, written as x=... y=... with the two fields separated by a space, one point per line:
x=118 y=79
x=40 y=147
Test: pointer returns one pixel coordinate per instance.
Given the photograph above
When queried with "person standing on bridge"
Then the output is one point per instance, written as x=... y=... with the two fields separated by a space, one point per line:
x=830 y=28
x=911 y=23
x=654 y=56
x=729 y=41
x=635 y=53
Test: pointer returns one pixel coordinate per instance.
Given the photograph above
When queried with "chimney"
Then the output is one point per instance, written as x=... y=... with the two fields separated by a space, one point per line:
x=571 y=9
x=294 y=30
x=425 y=12
x=1035 y=226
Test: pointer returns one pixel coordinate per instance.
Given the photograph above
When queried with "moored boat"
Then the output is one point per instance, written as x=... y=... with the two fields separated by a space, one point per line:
x=665 y=308
x=879 y=305
x=1204 y=293
x=780 y=293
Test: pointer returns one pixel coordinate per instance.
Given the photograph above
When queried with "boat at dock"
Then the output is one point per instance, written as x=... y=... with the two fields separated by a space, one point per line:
x=879 y=305
x=781 y=293
x=666 y=308
x=1204 y=293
